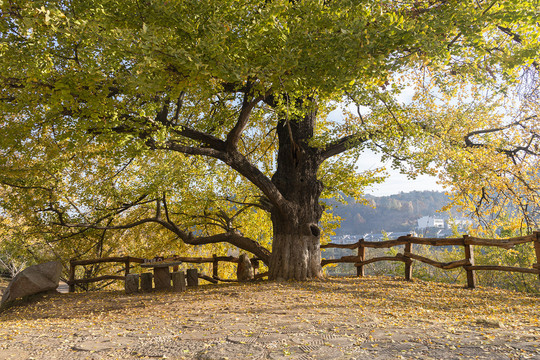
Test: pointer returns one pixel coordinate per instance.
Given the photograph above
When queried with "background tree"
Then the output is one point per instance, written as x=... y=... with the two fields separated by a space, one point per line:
x=247 y=84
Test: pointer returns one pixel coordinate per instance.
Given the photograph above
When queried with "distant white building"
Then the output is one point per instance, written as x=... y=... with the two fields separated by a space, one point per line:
x=430 y=222
x=345 y=239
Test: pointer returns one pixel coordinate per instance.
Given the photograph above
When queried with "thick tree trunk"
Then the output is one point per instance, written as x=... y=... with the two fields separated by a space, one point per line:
x=296 y=242
x=296 y=252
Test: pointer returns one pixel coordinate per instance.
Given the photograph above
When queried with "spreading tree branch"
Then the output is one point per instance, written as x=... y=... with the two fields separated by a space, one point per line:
x=236 y=161
x=247 y=107
x=529 y=149
x=341 y=145
x=231 y=237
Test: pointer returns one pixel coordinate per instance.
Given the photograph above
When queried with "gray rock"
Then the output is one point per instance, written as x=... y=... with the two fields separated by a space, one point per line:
x=244 y=271
x=33 y=280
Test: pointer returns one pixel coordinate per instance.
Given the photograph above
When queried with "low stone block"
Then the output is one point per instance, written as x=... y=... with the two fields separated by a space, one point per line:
x=162 y=278
x=192 y=277
x=179 y=281
x=132 y=283
x=146 y=282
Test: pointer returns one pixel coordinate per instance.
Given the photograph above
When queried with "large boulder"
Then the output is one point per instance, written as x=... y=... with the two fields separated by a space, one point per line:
x=244 y=272
x=33 y=280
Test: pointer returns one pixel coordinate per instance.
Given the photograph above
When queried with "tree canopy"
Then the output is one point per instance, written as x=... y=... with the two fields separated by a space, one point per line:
x=201 y=117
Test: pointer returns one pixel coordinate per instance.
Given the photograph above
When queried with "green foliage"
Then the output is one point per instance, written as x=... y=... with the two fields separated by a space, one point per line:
x=112 y=109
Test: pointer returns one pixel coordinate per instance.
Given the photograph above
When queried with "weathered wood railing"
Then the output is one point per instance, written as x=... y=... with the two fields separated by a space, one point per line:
x=127 y=260
x=215 y=266
x=408 y=256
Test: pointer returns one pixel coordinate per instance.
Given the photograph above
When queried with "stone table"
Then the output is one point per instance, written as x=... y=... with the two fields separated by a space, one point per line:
x=162 y=276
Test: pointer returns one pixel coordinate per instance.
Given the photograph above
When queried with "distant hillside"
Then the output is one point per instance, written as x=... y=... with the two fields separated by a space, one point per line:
x=390 y=213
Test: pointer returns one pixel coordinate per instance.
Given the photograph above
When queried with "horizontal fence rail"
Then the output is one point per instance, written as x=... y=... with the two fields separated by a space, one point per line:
x=126 y=260
x=255 y=262
x=467 y=242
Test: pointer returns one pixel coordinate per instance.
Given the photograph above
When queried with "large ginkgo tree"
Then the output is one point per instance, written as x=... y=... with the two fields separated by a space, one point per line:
x=190 y=90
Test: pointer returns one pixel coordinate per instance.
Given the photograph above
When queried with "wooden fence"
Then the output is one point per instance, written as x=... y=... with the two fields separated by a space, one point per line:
x=408 y=256
x=358 y=260
x=127 y=260
x=215 y=260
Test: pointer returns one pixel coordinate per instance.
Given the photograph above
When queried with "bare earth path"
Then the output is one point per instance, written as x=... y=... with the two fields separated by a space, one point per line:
x=345 y=318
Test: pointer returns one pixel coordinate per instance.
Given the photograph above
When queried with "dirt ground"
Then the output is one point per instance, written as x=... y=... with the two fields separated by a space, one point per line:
x=340 y=318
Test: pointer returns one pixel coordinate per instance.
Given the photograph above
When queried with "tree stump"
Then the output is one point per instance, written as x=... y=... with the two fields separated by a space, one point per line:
x=192 y=277
x=146 y=282
x=132 y=283
x=178 y=281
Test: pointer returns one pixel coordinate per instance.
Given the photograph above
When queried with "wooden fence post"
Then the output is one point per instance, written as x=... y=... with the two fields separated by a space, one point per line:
x=71 y=276
x=469 y=256
x=537 y=251
x=256 y=265
x=361 y=257
x=126 y=272
x=215 y=265
x=408 y=261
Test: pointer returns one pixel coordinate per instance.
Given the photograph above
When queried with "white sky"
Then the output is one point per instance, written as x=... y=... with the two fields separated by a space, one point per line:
x=396 y=182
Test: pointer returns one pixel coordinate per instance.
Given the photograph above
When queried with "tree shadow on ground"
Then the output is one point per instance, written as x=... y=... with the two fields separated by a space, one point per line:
x=358 y=295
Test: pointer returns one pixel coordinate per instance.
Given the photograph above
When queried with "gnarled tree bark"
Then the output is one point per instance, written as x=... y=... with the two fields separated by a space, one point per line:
x=296 y=242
